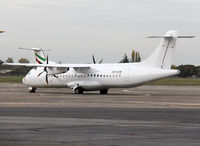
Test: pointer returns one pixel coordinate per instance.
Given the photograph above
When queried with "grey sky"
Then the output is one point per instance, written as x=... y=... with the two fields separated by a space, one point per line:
x=74 y=29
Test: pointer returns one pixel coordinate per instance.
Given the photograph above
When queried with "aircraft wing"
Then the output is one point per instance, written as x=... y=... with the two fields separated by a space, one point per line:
x=75 y=66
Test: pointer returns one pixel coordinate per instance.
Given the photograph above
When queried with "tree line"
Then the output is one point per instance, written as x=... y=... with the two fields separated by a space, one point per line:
x=185 y=70
x=135 y=57
x=14 y=70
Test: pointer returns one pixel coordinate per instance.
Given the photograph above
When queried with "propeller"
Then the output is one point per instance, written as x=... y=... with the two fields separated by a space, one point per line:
x=100 y=61
x=94 y=61
x=55 y=76
x=45 y=70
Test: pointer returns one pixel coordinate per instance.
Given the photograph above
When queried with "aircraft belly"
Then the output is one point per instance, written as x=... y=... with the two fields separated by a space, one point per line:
x=86 y=85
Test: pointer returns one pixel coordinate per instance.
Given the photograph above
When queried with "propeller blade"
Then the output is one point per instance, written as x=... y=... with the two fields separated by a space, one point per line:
x=55 y=76
x=45 y=69
x=47 y=79
x=100 y=61
x=41 y=73
x=47 y=59
x=94 y=61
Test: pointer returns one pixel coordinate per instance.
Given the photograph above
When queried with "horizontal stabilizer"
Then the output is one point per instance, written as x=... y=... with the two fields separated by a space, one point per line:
x=170 y=36
x=34 y=49
x=186 y=36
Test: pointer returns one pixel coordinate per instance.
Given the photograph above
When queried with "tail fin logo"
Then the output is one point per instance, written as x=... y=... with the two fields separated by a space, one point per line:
x=39 y=59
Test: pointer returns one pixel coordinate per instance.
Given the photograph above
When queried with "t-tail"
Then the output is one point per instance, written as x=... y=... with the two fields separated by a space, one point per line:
x=162 y=56
x=40 y=56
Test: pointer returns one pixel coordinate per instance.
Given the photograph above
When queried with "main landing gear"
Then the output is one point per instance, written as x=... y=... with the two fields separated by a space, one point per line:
x=32 y=89
x=78 y=90
x=104 y=91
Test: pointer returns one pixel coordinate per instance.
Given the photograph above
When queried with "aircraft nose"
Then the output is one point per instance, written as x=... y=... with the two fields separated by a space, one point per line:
x=24 y=80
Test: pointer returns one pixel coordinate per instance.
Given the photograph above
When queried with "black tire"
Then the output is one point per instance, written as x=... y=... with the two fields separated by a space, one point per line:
x=104 y=91
x=78 y=91
x=32 y=90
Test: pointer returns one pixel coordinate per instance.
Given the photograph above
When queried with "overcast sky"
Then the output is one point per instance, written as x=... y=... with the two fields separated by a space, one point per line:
x=75 y=29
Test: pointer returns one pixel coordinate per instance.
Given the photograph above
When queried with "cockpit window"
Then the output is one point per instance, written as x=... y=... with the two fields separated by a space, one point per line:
x=29 y=72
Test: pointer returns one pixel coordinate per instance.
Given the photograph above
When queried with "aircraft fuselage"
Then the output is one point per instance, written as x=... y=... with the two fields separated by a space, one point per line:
x=99 y=76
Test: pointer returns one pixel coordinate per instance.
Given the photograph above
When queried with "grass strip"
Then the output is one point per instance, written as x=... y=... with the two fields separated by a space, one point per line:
x=11 y=79
x=177 y=82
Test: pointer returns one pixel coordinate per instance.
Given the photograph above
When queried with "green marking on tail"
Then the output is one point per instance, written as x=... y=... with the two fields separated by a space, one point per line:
x=41 y=58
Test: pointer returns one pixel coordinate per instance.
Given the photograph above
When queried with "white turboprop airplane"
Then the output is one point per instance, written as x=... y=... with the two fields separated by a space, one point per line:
x=90 y=77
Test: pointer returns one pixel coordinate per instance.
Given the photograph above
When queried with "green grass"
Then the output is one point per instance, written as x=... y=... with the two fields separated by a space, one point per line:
x=162 y=82
x=177 y=82
x=11 y=79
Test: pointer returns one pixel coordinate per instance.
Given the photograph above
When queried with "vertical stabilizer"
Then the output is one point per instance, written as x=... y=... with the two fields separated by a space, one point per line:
x=162 y=56
x=40 y=56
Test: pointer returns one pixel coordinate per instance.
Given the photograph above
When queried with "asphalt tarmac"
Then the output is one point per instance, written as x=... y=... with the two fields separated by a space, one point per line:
x=142 y=116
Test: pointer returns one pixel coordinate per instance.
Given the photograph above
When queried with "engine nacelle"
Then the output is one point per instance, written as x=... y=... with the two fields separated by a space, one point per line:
x=57 y=70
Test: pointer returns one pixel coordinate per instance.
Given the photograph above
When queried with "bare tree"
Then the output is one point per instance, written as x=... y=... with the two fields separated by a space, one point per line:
x=9 y=60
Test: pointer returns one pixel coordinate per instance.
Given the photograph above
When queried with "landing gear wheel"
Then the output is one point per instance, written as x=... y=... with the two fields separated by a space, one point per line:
x=104 y=91
x=32 y=89
x=78 y=91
